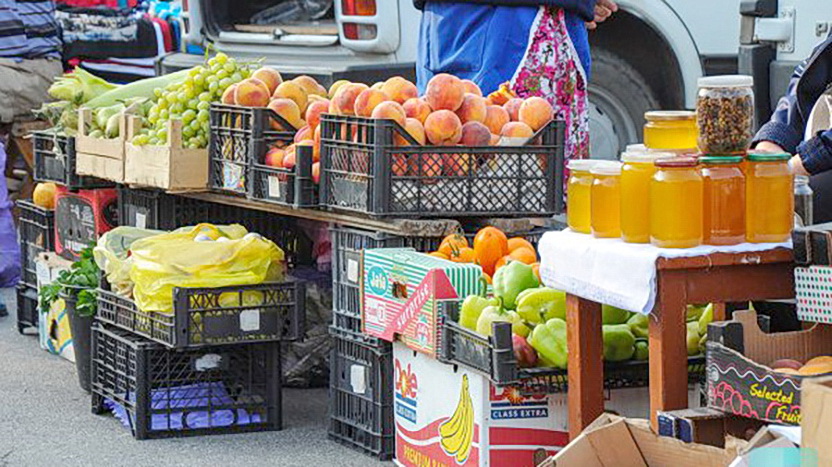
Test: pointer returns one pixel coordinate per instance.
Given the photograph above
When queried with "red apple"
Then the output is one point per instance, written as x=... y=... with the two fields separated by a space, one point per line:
x=523 y=352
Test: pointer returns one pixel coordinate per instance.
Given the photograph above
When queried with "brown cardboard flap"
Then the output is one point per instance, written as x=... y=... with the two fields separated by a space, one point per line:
x=798 y=345
x=816 y=396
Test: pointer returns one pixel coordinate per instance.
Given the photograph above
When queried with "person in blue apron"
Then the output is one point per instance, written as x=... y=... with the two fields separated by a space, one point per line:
x=539 y=47
x=802 y=125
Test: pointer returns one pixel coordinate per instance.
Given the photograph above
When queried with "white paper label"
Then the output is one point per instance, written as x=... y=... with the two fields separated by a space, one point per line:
x=208 y=362
x=352 y=270
x=250 y=320
x=42 y=273
x=141 y=220
x=274 y=187
x=358 y=379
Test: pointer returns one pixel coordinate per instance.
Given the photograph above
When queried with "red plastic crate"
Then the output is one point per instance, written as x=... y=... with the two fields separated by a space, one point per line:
x=81 y=217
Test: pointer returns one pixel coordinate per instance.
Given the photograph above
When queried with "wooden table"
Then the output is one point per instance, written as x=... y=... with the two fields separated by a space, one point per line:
x=716 y=278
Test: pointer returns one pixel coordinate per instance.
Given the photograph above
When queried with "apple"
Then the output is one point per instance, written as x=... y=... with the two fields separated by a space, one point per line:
x=274 y=158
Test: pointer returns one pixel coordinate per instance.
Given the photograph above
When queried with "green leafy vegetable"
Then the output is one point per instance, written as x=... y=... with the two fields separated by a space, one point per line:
x=79 y=281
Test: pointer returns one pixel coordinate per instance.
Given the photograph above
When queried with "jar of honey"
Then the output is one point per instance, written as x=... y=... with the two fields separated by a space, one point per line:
x=671 y=130
x=578 y=195
x=769 y=198
x=724 y=200
x=676 y=195
x=605 y=199
x=636 y=176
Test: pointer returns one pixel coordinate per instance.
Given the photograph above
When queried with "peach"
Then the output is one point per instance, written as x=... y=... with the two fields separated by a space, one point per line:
x=392 y=111
x=443 y=128
x=288 y=110
x=445 y=92
x=378 y=85
x=473 y=109
x=513 y=108
x=316 y=173
x=402 y=165
x=495 y=118
x=368 y=100
x=289 y=157
x=471 y=87
x=517 y=130
x=316 y=149
x=317 y=98
x=269 y=76
x=399 y=89
x=456 y=164
x=251 y=93
x=344 y=101
x=335 y=87
x=428 y=165
x=228 y=95
x=535 y=112
x=292 y=90
x=475 y=134
x=314 y=111
x=417 y=108
x=274 y=158
x=495 y=139
x=303 y=133
x=309 y=85
x=415 y=129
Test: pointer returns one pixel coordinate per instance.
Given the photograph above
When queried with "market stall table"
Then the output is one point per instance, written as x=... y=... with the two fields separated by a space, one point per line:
x=716 y=277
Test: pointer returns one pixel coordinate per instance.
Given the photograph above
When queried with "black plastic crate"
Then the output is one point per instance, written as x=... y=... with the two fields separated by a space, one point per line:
x=27 y=308
x=54 y=156
x=36 y=227
x=494 y=357
x=216 y=315
x=163 y=393
x=240 y=136
x=364 y=171
x=289 y=187
x=155 y=209
x=361 y=417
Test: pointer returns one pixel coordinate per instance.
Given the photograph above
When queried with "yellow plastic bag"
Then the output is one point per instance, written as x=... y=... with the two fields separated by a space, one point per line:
x=111 y=253
x=200 y=256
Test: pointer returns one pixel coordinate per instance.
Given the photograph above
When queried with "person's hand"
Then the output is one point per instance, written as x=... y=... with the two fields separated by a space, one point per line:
x=796 y=163
x=768 y=146
x=603 y=10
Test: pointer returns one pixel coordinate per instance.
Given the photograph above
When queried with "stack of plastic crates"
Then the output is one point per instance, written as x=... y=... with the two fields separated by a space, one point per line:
x=37 y=235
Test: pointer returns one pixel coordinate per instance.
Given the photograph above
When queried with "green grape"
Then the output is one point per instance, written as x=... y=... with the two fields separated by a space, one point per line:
x=203 y=105
x=162 y=134
x=225 y=82
x=205 y=97
x=193 y=71
x=212 y=61
x=162 y=104
x=157 y=92
x=152 y=114
x=153 y=141
x=182 y=97
x=194 y=125
x=164 y=114
x=188 y=131
x=221 y=58
x=177 y=108
x=221 y=73
x=152 y=119
x=206 y=127
x=213 y=87
x=236 y=77
x=229 y=67
x=199 y=80
x=188 y=116
x=203 y=116
x=203 y=141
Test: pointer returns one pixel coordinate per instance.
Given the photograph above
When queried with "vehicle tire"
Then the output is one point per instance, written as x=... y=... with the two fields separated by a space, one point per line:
x=618 y=97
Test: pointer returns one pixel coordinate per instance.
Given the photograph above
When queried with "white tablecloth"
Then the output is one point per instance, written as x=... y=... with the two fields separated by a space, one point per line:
x=613 y=272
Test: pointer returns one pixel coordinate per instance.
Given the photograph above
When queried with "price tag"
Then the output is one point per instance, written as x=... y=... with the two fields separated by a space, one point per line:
x=274 y=187
x=352 y=270
x=358 y=379
x=233 y=177
x=141 y=220
x=250 y=320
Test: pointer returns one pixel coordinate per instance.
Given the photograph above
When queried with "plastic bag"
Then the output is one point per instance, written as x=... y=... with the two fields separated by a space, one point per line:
x=111 y=253
x=200 y=256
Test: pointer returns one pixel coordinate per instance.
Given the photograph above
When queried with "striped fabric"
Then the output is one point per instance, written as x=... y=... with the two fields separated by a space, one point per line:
x=28 y=29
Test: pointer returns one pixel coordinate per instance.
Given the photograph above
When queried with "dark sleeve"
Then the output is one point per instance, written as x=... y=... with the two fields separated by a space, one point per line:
x=786 y=127
x=816 y=153
x=584 y=8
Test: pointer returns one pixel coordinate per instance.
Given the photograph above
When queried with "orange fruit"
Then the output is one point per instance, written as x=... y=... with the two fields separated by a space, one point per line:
x=451 y=243
x=524 y=255
x=536 y=270
x=502 y=262
x=438 y=254
x=463 y=255
x=518 y=242
x=490 y=244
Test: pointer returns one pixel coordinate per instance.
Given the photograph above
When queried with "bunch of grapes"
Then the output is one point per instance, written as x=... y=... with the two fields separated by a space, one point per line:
x=190 y=101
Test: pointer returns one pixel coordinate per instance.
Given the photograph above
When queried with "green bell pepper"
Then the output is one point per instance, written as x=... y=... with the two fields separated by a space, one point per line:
x=512 y=279
x=473 y=305
x=693 y=338
x=541 y=304
x=694 y=312
x=619 y=342
x=613 y=315
x=549 y=340
x=497 y=314
x=642 y=350
x=706 y=319
x=639 y=325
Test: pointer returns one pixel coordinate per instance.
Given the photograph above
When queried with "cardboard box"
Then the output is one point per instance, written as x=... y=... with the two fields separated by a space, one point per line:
x=171 y=167
x=817 y=418
x=812 y=245
x=612 y=441
x=400 y=292
x=740 y=382
x=81 y=217
x=772 y=449
x=99 y=157
x=701 y=425
x=54 y=334
x=507 y=428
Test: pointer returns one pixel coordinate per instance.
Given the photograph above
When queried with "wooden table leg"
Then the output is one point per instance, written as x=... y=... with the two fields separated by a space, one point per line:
x=668 y=346
x=586 y=363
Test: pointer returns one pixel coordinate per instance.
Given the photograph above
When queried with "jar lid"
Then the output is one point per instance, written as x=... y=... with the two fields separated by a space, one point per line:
x=677 y=162
x=606 y=168
x=717 y=160
x=581 y=165
x=645 y=157
x=636 y=148
x=669 y=115
x=768 y=157
x=726 y=81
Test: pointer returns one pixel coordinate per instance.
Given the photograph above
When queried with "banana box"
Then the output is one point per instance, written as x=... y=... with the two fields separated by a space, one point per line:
x=400 y=292
x=447 y=415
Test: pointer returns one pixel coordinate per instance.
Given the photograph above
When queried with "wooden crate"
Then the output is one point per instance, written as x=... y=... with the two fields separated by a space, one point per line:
x=99 y=157
x=171 y=167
